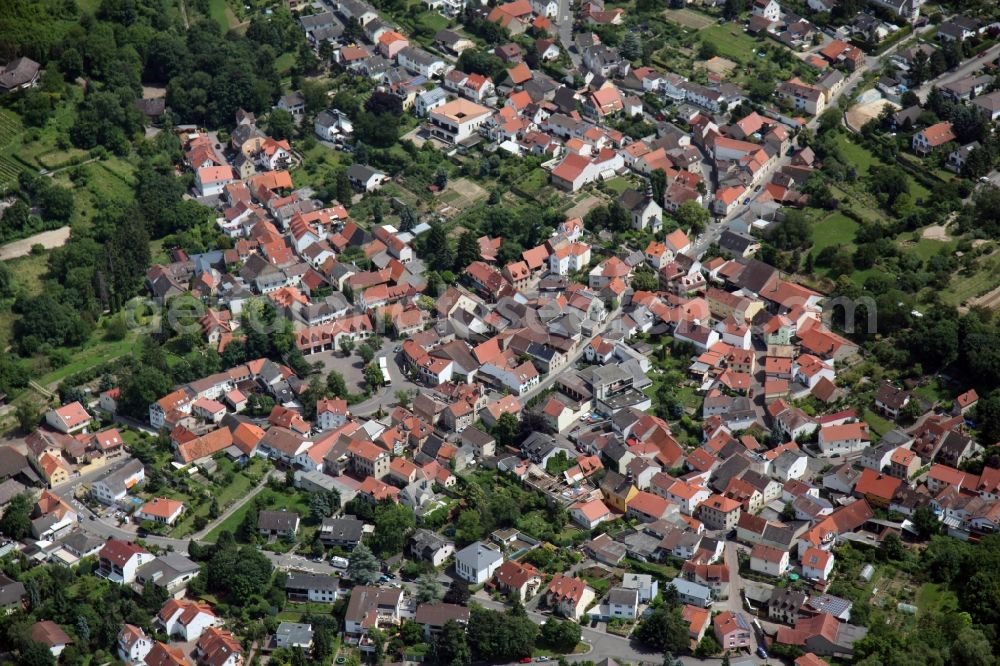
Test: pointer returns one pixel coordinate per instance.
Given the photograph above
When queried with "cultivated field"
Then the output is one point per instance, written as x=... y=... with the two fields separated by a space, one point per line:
x=689 y=18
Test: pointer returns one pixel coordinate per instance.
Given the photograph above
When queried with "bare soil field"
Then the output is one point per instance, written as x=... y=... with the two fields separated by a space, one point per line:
x=688 y=18
x=47 y=239
x=989 y=300
x=860 y=114
x=936 y=232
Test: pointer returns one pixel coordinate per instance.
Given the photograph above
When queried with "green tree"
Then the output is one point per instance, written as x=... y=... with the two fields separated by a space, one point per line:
x=362 y=566
x=506 y=429
x=239 y=571
x=664 y=629
x=467 y=251
x=393 y=525
x=458 y=593
x=33 y=653
x=343 y=187
x=734 y=8
x=450 y=646
x=373 y=376
x=499 y=636
x=972 y=648
x=437 y=249
x=366 y=352
x=892 y=547
x=708 y=647
x=645 y=280
x=631 y=47
x=692 y=216
x=16 y=520
x=561 y=635
x=658 y=182
x=428 y=589
x=28 y=413
x=336 y=386
x=280 y=124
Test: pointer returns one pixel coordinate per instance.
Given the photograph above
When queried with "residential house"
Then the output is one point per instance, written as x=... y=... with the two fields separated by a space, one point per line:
x=457 y=121
x=732 y=630
x=274 y=524
x=569 y=596
x=51 y=635
x=768 y=560
x=429 y=546
x=119 y=561
x=312 y=587
x=477 y=562
x=935 y=136
x=433 y=616
x=133 y=644
x=68 y=419
x=371 y=607
x=186 y=619
x=520 y=579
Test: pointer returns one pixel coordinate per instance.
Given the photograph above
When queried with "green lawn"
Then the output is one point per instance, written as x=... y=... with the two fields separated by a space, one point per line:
x=862 y=160
x=319 y=166
x=964 y=287
x=275 y=502
x=219 y=12
x=284 y=63
x=663 y=571
x=835 y=230
x=934 y=391
x=618 y=184
x=241 y=485
x=95 y=351
x=533 y=181
x=935 y=598
x=879 y=425
x=926 y=248
x=730 y=41
x=857 y=156
x=432 y=21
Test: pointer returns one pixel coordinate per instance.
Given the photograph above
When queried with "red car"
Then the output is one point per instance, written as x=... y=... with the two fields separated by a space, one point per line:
x=524 y=660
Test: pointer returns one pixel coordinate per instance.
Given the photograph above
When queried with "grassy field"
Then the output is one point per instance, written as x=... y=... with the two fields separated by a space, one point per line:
x=319 y=166
x=284 y=63
x=879 y=425
x=688 y=18
x=730 y=41
x=10 y=133
x=835 y=230
x=618 y=184
x=966 y=287
x=926 y=248
x=934 y=598
x=220 y=12
x=28 y=273
x=240 y=486
x=862 y=160
x=533 y=182
x=275 y=502
x=95 y=351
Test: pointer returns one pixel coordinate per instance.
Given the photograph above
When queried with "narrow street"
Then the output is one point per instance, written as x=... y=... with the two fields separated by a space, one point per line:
x=963 y=70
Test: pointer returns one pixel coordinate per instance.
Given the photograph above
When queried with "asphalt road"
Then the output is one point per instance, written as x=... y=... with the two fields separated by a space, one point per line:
x=564 y=24
x=551 y=377
x=968 y=67
x=107 y=528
